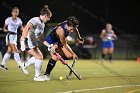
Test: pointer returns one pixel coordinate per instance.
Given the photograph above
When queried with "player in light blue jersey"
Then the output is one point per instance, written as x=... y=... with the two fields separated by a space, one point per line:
x=107 y=36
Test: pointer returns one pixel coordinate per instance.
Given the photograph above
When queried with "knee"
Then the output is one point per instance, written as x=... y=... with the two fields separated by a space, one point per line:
x=55 y=58
x=69 y=56
x=9 y=51
x=39 y=57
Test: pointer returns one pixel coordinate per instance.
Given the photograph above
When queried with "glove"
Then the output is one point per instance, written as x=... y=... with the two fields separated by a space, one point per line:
x=22 y=43
x=51 y=48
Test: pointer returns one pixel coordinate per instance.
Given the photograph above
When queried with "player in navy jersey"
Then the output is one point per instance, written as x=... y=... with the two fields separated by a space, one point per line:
x=58 y=38
x=107 y=36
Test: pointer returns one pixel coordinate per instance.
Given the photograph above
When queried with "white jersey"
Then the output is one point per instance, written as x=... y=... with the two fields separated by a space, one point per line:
x=35 y=32
x=108 y=35
x=13 y=25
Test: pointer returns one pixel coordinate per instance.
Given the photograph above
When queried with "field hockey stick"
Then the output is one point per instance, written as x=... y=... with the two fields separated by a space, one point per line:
x=65 y=63
x=70 y=73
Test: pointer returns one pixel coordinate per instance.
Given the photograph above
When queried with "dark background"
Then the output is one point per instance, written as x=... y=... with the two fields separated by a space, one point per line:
x=123 y=14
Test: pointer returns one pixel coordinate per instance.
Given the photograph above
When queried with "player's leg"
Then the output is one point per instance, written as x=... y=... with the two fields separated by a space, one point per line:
x=53 y=60
x=51 y=64
x=67 y=55
x=104 y=53
x=17 y=57
x=104 y=50
x=110 y=52
x=31 y=60
x=6 y=58
x=38 y=59
x=16 y=54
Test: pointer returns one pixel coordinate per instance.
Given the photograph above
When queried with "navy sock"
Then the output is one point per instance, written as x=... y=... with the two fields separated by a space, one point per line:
x=50 y=66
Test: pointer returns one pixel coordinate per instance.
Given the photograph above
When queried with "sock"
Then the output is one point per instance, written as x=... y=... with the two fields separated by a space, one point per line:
x=110 y=57
x=103 y=56
x=50 y=66
x=38 y=65
x=64 y=57
x=30 y=61
x=17 y=58
x=5 y=58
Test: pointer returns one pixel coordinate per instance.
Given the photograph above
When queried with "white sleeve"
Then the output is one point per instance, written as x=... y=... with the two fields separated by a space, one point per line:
x=7 y=21
x=33 y=21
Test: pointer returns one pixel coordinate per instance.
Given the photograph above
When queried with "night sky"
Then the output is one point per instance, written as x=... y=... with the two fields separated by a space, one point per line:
x=92 y=14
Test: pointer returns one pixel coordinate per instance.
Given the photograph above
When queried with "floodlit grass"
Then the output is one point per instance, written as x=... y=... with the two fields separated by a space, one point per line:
x=97 y=78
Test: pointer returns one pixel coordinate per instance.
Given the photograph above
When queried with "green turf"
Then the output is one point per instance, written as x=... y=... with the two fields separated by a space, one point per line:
x=94 y=75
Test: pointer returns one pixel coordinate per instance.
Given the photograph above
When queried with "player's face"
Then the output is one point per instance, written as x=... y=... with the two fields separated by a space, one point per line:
x=46 y=18
x=70 y=28
x=15 y=12
x=109 y=27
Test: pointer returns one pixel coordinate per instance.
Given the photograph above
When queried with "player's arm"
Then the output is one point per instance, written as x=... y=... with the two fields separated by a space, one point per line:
x=81 y=40
x=42 y=39
x=114 y=35
x=24 y=35
x=63 y=40
x=21 y=29
x=26 y=30
x=5 y=27
x=102 y=36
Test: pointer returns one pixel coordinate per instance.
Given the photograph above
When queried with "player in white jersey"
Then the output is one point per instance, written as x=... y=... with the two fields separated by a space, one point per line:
x=11 y=25
x=33 y=32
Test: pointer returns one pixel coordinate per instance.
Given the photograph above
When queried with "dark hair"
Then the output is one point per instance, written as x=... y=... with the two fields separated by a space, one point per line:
x=108 y=23
x=45 y=10
x=73 y=21
x=15 y=8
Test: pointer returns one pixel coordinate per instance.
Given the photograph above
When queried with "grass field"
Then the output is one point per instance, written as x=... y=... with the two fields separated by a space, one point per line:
x=119 y=77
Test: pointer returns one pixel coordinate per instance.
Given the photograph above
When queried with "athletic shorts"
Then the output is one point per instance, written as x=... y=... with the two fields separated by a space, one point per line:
x=11 y=38
x=30 y=44
x=50 y=40
x=107 y=44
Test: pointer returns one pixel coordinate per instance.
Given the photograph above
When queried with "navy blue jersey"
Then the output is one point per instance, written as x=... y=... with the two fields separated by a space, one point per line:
x=53 y=37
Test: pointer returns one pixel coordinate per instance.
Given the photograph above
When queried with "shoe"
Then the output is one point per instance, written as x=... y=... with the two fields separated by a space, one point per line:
x=25 y=70
x=39 y=78
x=3 y=67
x=46 y=77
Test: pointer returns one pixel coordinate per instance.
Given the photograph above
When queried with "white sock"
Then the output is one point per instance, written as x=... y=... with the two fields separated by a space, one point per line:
x=5 y=58
x=30 y=61
x=17 y=59
x=38 y=65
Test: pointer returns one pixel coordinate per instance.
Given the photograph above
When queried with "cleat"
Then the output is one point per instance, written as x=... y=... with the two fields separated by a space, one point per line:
x=3 y=67
x=24 y=69
x=46 y=77
x=39 y=78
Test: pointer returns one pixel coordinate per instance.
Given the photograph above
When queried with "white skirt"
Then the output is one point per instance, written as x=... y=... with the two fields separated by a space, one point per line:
x=12 y=39
x=32 y=43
